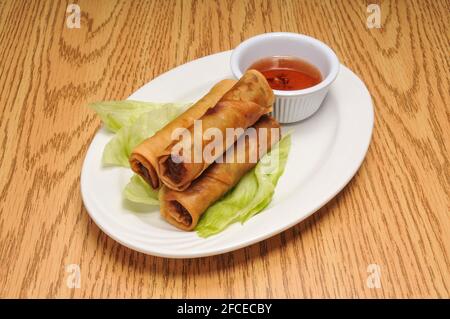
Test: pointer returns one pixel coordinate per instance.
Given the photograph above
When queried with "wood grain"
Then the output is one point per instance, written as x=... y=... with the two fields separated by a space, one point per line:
x=394 y=213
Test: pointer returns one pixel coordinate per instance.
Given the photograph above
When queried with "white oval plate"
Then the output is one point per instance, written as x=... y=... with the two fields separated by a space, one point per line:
x=327 y=150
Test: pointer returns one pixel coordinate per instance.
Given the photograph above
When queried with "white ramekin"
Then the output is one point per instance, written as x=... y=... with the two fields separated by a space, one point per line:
x=290 y=106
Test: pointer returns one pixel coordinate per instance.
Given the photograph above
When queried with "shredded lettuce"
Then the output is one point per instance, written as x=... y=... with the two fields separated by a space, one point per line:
x=118 y=150
x=250 y=196
x=138 y=191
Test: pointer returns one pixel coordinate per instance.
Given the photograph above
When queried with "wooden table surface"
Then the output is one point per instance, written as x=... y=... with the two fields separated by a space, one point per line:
x=394 y=213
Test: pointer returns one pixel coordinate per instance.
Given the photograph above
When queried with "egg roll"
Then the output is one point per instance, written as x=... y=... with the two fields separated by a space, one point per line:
x=239 y=108
x=183 y=209
x=144 y=158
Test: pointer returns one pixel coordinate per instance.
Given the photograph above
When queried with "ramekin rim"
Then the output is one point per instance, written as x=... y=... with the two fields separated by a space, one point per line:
x=331 y=55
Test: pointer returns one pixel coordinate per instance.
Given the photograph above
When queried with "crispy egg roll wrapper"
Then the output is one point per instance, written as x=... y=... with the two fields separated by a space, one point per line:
x=240 y=107
x=144 y=158
x=183 y=209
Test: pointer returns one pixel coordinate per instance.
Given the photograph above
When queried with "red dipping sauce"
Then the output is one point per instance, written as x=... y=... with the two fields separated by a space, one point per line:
x=287 y=73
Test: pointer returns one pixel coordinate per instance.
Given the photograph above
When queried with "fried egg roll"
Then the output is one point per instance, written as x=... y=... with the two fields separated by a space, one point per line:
x=183 y=209
x=144 y=158
x=240 y=107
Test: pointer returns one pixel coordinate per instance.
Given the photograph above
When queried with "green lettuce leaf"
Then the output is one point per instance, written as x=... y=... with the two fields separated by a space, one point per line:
x=119 y=149
x=117 y=114
x=138 y=191
x=250 y=196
